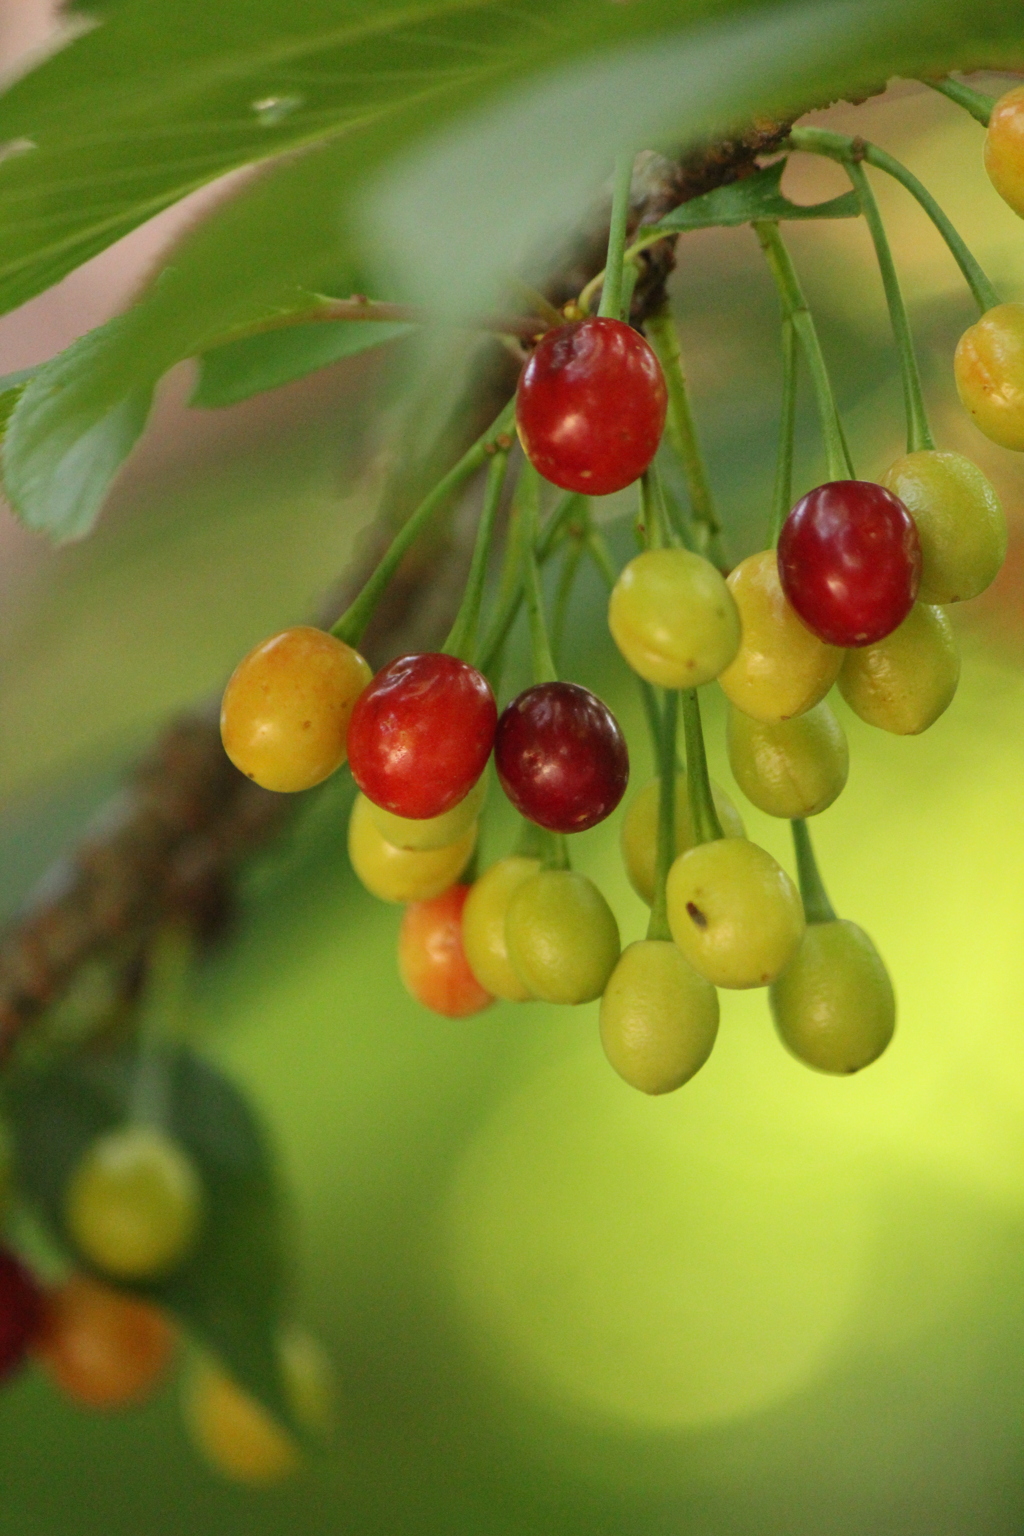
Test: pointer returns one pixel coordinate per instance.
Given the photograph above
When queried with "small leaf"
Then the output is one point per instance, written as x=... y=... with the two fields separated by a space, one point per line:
x=759 y=196
x=242 y=368
x=12 y=387
x=230 y=1290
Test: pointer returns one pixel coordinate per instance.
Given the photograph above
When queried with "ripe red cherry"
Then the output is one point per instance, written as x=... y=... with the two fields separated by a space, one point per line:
x=561 y=757
x=591 y=405
x=21 y=1312
x=850 y=561
x=421 y=733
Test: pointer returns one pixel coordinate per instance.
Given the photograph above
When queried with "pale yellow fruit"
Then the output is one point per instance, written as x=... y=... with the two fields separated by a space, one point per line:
x=791 y=768
x=433 y=831
x=639 y=837
x=959 y=521
x=562 y=937
x=734 y=912
x=833 y=1005
x=659 y=1018
x=403 y=874
x=781 y=669
x=134 y=1205
x=483 y=927
x=673 y=618
x=904 y=682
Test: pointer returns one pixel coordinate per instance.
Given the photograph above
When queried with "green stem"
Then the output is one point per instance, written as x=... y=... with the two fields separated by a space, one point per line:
x=161 y=1010
x=657 y=533
x=794 y=308
x=918 y=432
x=838 y=146
x=353 y=621
x=974 y=102
x=566 y=509
x=817 y=907
x=566 y=581
x=665 y=749
x=462 y=637
x=706 y=825
x=681 y=433
x=597 y=548
x=543 y=663
x=611 y=291
x=782 y=495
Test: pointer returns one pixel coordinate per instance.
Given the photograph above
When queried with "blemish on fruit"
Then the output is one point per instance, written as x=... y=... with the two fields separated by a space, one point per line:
x=696 y=915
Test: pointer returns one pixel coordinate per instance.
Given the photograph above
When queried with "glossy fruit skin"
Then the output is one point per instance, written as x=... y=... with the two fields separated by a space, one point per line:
x=286 y=709
x=134 y=1204
x=639 y=838
x=432 y=831
x=1004 y=148
x=850 y=561
x=673 y=617
x=781 y=669
x=561 y=757
x=421 y=734
x=734 y=912
x=905 y=682
x=833 y=1005
x=989 y=369
x=658 y=1018
x=21 y=1312
x=790 y=768
x=960 y=523
x=483 y=927
x=590 y=407
x=562 y=937
x=101 y=1347
x=431 y=958
x=403 y=874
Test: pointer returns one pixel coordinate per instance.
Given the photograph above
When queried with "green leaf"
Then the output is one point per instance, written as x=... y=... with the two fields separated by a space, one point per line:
x=230 y=1291
x=242 y=368
x=758 y=196
x=12 y=387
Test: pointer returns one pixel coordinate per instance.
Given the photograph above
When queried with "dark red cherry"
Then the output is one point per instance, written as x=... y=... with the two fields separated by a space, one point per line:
x=590 y=407
x=421 y=733
x=561 y=757
x=21 y=1312
x=850 y=561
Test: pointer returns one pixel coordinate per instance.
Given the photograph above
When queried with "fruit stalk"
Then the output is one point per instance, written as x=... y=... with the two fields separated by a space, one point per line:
x=665 y=746
x=681 y=433
x=612 y=289
x=462 y=637
x=782 y=495
x=817 y=907
x=706 y=825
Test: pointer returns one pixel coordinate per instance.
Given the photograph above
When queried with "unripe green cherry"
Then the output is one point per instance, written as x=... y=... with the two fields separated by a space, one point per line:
x=659 y=1018
x=432 y=831
x=639 y=837
x=791 y=768
x=989 y=368
x=403 y=874
x=833 y=1005
x=1004 y=148
x=904 y=683
x=673 y=618
x=483 y=927
x=563 y=940
x=134 y=1204
x=959 y=520
x=781 y=669
x=734 y=912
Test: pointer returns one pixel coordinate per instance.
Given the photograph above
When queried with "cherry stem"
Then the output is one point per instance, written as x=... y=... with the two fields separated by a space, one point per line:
x=611 y=291
x=510 y=586
x=979 y=106
x=663 y=335
x=665 y=749
x=566 y=509
x=817 y=907
x=706 y=825
x=563 y=592
x=543 y=662
x=918 y=431
x=462 y=639
x=357 y=615
x=782 y=495
x=161 y=1011
x=838 y=146
x=794 y=308
x=657 y=534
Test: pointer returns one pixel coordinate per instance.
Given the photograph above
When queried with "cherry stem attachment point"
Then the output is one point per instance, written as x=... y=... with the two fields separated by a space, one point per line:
x=817 y=907
x=665 y=748
x=462 y=638
x=706 y=825
x=611 y=306
x=681 y=434
x=782 y=495
x=794 y=309
x=979 y=106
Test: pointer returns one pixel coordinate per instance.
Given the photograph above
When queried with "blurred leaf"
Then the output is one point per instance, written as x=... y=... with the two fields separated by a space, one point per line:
x=12 y=386
x=230 y=1290
x=242 y=368
x=755 y=197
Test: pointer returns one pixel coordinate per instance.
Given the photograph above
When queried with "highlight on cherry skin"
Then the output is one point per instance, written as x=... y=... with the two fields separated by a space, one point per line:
x=286 y=709
x=638 y=839
x=561 y=757
x=674 y=619
x=590 y=406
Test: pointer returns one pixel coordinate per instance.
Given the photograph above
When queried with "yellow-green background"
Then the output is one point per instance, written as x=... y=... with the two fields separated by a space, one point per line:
x=770 y=1303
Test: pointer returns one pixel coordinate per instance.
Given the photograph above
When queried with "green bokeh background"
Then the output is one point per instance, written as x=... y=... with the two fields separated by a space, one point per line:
x=770 y=1303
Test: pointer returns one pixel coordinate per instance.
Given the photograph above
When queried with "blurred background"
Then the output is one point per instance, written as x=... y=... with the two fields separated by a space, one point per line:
x=772 y=1304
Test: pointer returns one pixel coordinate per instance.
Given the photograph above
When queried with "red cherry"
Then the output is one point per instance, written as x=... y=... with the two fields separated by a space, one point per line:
x=21 y=1312
x=850 y=561
x=432 y=960
x=561 y=757
x=591 y=405
x=421 y=733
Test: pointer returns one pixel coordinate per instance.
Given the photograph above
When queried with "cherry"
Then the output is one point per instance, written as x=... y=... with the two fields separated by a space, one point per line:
x=561 y=757
x=590 y=407
x=103 y=1348
x=421 y=733
x=850 y=561
x=1004 y=148
x=432 y=960
x=21 y=1312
